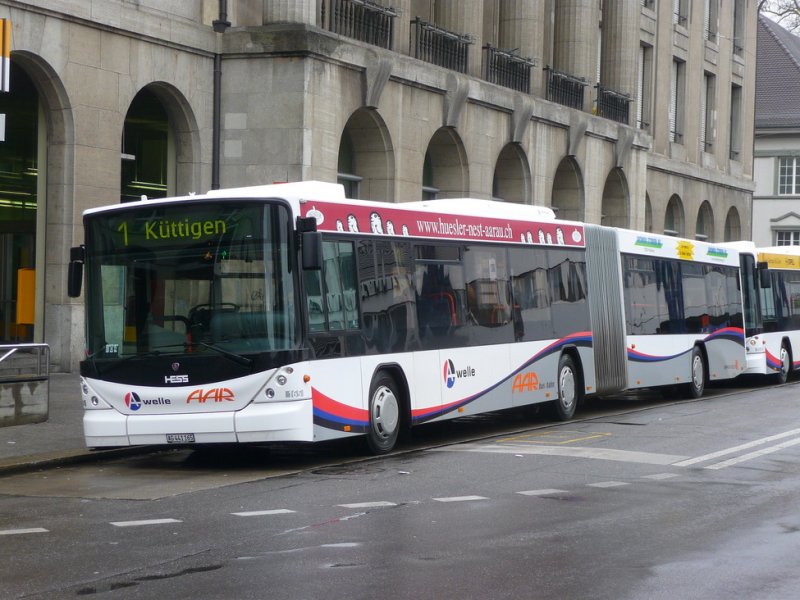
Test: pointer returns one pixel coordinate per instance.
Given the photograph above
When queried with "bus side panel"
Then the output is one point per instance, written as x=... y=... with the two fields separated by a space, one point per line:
x=471 y=380
x=773 y=349
x=340 y=408
x=726 y=354
x=655 y=360
x=426 y=386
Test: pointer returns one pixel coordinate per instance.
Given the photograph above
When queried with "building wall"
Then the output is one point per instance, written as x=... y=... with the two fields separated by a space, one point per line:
x=290 y=89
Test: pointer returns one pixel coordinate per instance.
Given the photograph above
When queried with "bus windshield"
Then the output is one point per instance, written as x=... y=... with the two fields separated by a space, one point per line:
x=190 y=277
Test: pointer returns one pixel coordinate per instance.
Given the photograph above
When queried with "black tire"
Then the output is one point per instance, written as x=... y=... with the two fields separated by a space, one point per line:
x=697 y=380
x=385 y=416
x=569 y=389
x=785 y=358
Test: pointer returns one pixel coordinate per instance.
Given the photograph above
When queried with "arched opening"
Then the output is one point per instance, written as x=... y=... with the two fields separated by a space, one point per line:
x=567 y=197
x=444 y=171
x=20 y=203
x=511 y=181
x=147 y=168
x=614 y=211
x=159 y=142
x=365 y=164
x=673 y=218
x=733 y=226
x=705 y=223
x=648 y=214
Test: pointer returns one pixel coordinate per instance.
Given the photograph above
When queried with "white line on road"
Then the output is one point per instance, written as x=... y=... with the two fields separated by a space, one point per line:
x=460 y=499
x=751 y=455
x=608 y=484
x=726 y=451
x=259 y=513
x=367 y=504
x=647 y=458
x=23 y=531
x=145 y=522
x=660 y=476
x=549 y=492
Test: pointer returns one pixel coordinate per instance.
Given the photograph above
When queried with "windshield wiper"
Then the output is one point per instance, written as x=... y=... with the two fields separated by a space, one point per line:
x=237 y=358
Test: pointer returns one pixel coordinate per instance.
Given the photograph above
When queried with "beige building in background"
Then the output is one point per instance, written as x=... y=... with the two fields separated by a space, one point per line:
x=632 y=113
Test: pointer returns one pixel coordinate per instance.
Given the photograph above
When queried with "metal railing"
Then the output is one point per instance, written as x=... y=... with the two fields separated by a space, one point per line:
x=439 y=46
x=25 y=379
x=24 y=362
x=611 y=104
x=361 y=20
x=564 y=88
x=505 y=68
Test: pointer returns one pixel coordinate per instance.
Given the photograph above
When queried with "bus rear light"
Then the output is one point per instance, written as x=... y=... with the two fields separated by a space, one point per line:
x=306 y=378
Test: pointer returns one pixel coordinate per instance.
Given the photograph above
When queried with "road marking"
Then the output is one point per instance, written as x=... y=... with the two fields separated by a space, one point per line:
x=543 y=492
x=660 y=476
x=726 y=451
x=145 y=522
x=260 y=513
x=552 y=437
x=751 y=455
x=607 y=484
x=648 y=458
x=461 y=499
x=368 y=504
x=23 y=531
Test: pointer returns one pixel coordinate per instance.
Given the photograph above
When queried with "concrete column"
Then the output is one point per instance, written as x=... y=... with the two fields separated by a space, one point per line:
x=620 y=51
x=290 y=11
x=521 y=23
x=464 y=17
x=575 y=38
x=402 y=25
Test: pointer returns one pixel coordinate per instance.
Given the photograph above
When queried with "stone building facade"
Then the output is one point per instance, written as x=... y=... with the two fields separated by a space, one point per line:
x=632 y=113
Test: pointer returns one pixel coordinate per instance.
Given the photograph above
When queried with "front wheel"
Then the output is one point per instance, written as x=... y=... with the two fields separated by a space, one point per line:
x=569 y=388
x=384 y=414
x=786 y=365
x=697 y=384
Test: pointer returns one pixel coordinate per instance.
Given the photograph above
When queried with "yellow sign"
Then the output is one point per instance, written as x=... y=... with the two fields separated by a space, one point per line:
x=779 y=261
x=685 y=250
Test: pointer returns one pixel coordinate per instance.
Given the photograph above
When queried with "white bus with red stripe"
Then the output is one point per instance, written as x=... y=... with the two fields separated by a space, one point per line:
x=290 y=313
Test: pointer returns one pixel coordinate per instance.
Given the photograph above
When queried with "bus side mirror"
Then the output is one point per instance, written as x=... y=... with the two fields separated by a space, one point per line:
x=75 y=271
x=764 y=280
x=312 y=250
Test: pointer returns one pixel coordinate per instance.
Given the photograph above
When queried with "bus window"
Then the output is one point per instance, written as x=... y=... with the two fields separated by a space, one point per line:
x=331 y=292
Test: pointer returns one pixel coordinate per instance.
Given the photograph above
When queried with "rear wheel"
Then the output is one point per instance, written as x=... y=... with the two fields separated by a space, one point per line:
x=786 y=364
x=569 y=388
x=697 y=383
x=384 y=414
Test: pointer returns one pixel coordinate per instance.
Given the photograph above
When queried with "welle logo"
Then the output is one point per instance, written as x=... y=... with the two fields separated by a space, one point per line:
x=451 y=373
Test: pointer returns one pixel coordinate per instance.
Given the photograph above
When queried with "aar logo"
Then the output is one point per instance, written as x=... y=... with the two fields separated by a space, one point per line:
x=133 y=401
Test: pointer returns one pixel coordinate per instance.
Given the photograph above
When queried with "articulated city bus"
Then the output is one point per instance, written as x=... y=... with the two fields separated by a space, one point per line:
x=290 y=313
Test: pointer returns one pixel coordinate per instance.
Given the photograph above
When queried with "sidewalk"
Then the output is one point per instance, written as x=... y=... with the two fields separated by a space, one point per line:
x=57 y=441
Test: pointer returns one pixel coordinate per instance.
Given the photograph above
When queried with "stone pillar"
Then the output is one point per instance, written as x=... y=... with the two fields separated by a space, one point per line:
x=620 y=50
x=464 y=17
x=521 y=23
x=402 y=26
x=575 y=40
x=290 y=11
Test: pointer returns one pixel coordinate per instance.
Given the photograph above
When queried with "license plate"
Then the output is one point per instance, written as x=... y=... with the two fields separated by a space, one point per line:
x=180 y=438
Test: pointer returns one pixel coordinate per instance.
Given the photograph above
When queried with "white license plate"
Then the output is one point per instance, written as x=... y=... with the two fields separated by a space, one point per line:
x=180 y=438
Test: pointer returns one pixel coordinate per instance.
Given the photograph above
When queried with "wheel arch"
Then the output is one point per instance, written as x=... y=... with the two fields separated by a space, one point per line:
x=398 y=374
x=572 y=352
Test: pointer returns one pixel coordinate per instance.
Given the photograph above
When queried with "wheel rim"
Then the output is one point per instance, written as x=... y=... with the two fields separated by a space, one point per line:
x=697 y=372
x=566 y=388
x=385 y=412
x=784 y=361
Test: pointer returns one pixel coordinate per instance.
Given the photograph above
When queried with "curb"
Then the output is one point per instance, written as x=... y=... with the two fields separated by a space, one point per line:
x=64 y=458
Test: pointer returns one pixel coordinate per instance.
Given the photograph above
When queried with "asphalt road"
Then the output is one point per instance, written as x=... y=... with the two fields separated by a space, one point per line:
x=636 y=499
